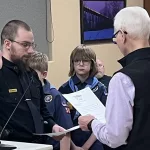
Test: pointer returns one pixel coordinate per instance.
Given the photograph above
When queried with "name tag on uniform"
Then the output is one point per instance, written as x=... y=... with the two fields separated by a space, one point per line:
x=12 y=90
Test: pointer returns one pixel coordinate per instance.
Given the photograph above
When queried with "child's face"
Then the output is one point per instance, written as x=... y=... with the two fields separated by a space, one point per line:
x=82 y=67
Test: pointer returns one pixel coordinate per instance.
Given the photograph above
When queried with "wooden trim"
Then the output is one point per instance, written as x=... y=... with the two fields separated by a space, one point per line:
x=146 y=4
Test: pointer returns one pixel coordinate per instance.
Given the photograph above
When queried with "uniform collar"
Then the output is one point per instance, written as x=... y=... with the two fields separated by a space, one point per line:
x=139 y=54
x=10 y=65
x=46 y=87
x=7 y=62
x=76 y=80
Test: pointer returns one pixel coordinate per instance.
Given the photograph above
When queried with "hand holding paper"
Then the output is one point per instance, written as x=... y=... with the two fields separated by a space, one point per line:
x=86 y=102
x=59 y=133
x=84 y=120
x=56 y=128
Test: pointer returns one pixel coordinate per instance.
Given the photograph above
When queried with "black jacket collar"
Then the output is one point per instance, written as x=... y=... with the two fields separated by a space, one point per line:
x=134 y=56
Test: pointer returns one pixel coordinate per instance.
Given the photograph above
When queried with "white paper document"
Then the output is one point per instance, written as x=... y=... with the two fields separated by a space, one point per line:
x=59 y=133
x=86 y=102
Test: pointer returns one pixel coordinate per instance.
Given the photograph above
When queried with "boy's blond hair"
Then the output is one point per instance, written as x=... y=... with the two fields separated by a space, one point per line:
x=38 y=61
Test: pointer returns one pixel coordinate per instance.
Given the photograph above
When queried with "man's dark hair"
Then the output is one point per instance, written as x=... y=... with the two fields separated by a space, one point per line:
x=10 y=29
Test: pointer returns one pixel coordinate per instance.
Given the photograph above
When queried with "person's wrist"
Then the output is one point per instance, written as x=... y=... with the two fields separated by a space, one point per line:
x=85 y=147
x=89 y=125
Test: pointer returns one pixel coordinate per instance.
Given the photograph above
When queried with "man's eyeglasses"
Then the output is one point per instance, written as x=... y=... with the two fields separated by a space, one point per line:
x=25 y=45
x=115 y=35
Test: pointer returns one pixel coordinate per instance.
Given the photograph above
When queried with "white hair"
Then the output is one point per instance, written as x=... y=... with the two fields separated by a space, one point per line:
x=135 y=21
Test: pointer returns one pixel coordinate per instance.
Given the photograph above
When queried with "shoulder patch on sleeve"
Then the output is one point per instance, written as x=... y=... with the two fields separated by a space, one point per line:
x=48 y=98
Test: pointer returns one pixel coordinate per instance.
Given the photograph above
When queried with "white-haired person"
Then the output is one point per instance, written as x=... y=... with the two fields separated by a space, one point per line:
x=128 y=102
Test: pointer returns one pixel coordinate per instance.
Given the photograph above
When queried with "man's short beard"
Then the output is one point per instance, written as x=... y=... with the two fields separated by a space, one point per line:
x=20 y=62
x=16 y=60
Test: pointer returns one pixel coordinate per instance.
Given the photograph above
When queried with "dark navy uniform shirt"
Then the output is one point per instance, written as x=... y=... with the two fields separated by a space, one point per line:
x=57 y=106
x=79 y=137
x=105 y=80
x=28 y=117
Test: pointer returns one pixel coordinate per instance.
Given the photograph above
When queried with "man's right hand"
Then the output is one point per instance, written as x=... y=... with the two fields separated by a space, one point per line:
x=56 y=128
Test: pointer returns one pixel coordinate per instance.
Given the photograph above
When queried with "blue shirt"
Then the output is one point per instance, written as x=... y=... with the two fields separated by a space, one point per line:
x=57 y=106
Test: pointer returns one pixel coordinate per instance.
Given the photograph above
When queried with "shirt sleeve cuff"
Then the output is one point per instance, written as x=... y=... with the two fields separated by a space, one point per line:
x=95 y=124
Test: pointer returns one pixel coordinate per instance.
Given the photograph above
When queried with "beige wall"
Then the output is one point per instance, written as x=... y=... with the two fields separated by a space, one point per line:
x=66 y=23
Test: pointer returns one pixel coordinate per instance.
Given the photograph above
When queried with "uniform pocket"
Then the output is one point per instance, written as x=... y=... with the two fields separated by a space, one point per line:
x=11 y=98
